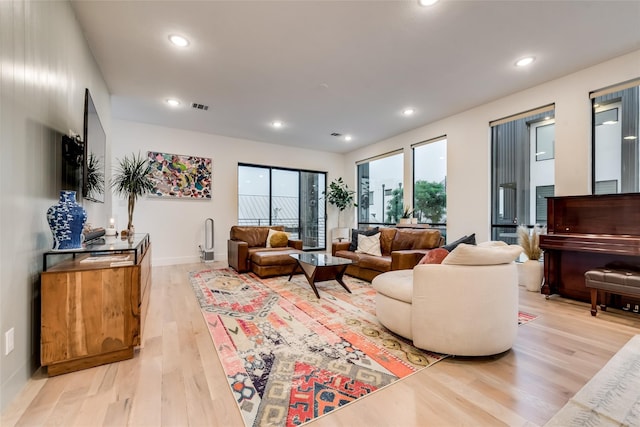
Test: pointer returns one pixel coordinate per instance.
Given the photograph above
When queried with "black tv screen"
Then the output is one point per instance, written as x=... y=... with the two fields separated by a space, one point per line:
x=72 y=164
x=95 y=141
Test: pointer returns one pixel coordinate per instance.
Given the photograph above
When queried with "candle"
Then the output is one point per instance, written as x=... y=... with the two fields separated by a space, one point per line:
x=111 y=229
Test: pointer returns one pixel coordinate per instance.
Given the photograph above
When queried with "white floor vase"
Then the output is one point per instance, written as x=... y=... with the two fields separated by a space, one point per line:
x=530 y=275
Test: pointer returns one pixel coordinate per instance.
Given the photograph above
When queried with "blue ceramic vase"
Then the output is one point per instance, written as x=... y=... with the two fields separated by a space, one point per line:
x=66 y=220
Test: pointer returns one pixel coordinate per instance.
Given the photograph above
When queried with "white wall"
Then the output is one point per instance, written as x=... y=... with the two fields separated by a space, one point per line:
x=176 y=226
x=45 y=68
x=469 y=143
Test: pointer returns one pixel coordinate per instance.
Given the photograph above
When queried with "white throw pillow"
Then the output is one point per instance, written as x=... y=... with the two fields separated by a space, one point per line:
x=483 y=255
x=369 y=244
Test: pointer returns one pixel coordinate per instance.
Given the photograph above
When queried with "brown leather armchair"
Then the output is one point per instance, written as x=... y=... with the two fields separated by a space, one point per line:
x=247 y=251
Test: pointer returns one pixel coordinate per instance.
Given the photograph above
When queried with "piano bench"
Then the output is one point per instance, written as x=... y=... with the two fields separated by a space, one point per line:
x=619 y=282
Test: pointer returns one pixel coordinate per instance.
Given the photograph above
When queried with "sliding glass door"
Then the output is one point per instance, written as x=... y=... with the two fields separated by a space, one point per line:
x=288 y=197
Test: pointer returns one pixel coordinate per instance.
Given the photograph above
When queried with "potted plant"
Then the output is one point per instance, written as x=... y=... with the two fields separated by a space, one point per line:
x=405 y=217
x=340 y=196
x=131 y=180
x=530 y=272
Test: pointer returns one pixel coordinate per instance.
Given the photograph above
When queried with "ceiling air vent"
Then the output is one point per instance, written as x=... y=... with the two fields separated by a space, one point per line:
x=336 y=134
x=197 y=106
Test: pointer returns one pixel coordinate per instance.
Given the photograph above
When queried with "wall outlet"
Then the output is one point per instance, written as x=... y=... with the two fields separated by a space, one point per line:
x=8 y=341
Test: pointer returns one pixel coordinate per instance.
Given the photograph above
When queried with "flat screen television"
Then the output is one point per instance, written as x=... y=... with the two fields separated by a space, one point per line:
x=95 y=141
x=72 y=164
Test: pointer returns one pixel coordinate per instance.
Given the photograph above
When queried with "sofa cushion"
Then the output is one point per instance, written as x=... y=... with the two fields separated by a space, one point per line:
x=253 y=235
x=277 y=239
x=466 y=254
x=348 y=255
x=396 y=284
x=274 y=257
x=386 y=240
x=354 y=236
x=373 y=262
x=469 y=240
x=434 y=256
x=426 y=239
x=415 y=239
x=369 y=244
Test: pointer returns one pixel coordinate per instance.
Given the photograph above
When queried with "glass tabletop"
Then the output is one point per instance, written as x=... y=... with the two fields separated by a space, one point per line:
x=320 y=260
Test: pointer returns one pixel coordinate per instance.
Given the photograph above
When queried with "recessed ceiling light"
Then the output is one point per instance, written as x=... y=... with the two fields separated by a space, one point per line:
x=178 y=40
x=408 y=111
x=523 y=62
x=277 y=124
x=427 y=2
x=173 y=102
x=348 y=138
x=630 y=137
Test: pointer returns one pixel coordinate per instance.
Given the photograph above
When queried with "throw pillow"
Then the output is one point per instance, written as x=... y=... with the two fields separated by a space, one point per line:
x=369 y=244
x=434 y=256
x=469 y=240
x=277 y=239
x=466 y=254
x=354 y=236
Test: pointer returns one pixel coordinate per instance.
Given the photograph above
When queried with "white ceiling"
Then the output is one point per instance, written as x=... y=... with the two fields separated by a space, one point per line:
x=339 y=66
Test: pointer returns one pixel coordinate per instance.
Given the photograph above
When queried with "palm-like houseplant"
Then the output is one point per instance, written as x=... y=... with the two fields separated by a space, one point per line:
x=131 y=180
x=340 y=196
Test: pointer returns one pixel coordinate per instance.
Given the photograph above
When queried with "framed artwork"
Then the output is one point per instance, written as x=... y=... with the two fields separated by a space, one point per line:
x=178 y=176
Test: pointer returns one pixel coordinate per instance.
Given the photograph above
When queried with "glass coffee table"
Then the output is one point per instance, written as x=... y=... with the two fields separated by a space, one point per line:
x=321 y=267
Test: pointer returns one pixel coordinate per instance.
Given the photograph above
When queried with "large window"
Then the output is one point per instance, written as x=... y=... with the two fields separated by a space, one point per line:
x=523 y=148
x=616 y=151
x=430 y=182
x=288 y=197
x=380 y=193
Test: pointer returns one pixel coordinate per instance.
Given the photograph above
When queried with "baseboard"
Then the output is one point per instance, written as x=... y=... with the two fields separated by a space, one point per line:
x=14 y=385
x=157 y=262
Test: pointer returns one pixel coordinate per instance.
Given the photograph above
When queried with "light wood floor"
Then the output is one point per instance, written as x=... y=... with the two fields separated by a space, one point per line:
x=176 y=378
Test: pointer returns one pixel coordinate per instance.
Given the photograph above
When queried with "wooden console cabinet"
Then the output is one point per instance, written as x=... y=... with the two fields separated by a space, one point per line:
x=94 y=304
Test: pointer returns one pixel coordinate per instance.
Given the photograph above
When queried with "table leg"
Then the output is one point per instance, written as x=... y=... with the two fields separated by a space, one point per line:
x=309 y=272
x=311 y=280
x=339 y=278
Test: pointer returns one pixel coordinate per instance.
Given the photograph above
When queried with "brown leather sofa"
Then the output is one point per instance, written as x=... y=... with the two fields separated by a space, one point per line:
x=401 y=249
x=247 y=251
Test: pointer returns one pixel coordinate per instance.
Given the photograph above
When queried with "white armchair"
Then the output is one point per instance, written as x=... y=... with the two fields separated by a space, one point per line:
x=466 y=306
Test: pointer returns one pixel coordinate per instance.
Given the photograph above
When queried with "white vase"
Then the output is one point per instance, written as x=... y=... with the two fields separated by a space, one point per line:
x=405 y=221
x=530 y=275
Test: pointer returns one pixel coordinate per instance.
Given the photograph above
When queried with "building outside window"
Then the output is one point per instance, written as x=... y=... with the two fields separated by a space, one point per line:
x=616 y=149
x=288 y=197
x=523 y=157
x=430 y=183
x=380 y=192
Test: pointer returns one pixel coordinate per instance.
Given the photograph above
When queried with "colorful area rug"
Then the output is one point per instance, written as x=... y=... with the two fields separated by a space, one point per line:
x=290 y=357
x=611 y=397
x=525 y=317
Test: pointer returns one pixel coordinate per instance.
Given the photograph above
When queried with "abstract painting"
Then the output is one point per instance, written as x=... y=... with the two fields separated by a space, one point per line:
x=180 y=176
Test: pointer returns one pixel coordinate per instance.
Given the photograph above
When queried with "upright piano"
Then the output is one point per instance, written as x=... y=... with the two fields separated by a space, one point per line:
x=585 y=232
